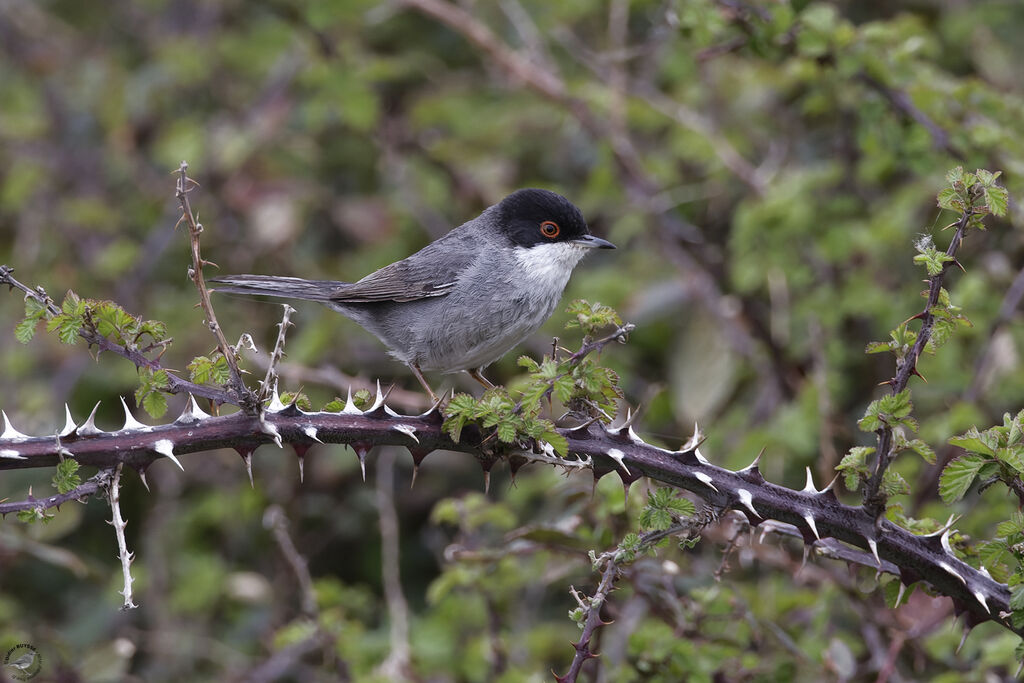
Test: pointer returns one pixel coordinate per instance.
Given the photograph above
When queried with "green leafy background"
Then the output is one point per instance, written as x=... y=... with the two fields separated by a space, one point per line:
x=332 y=138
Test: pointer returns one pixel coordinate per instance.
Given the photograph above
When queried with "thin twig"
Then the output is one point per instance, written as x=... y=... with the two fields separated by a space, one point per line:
x=908 y=367
x=118 y=522
x=269 y=384
x=398 y=664
x=245 y=397
x=87 y=488
x=274 y=519
x=175 y=385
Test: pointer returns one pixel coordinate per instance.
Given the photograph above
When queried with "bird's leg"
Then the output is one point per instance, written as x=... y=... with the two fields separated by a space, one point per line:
x=419 y=375
x=479 y=377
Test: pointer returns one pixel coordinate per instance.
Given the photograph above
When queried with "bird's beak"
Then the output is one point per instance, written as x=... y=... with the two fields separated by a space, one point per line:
x=594 y=242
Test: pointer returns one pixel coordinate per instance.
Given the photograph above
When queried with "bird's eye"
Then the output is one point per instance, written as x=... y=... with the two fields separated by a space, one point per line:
x=549 y=229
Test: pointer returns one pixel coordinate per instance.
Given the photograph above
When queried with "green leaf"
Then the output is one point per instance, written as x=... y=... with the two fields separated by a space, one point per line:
x=1012 y=456
x=65 y=478
x=154 y=403
x=958 y=476
x=996 y=199
x=528 y=363
x=557 y=441
x=26 y=329
x=974 y=441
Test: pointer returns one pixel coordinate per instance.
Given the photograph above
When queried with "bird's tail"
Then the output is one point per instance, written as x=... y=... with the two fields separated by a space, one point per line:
x=271 y=285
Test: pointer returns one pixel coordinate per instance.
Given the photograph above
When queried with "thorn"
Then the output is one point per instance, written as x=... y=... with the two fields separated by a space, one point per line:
x=900 y=594
x=378 y=401
x=873 y=544
x=981 y=600
x=192 y=413
x=437 y=404
x=415 y=471
x=747 y=500
x=754 y=466
x=949 y=569
x=88 y=428
x=408 y=430
x=706 y=480
x=142 y=476
x=487 y=482
x=959 y=265
x=129 y=421
x=830 y=488
x=963 y=639
x=275 y=401
x=809 y=486
x=350 y=406
x=271 y=430
x=166 y=448
x=10 y=433
x=814 y=527
x=310 y=431
x=618 y=456
x=69 y=423
x=888 y=381
x=302 y=460
x=913 y=371
x=362 y=449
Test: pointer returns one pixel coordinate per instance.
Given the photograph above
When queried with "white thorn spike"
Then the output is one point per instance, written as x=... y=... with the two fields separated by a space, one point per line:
x=69 y=423
x=747 y=499
x=984 y=572
x=809 y=486
x=700 y=458
x=900 y=594
x=754 y=464
x=809 y=518
x=310 y=431
x=11 y=454
x=142 y=476
x=831 y=484
x=196 y=410
x=944 y=540
x=248 y=469
x=350 y=407
x=408 y=430
x=129 y=420
x=618 y=456
x=981 y=600
x=952 y=571
x=275 y=402
x=633 y=436
x=706 y=480
x=272 y=431
x=389 y=411
x=873 y=544
x=378 y=401
x=10 y=433
x=166 y=448
x=963 y=639
x=302 y=469
x=89 y=428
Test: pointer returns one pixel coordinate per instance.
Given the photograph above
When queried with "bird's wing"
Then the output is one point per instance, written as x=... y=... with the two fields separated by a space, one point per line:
x=432 y=271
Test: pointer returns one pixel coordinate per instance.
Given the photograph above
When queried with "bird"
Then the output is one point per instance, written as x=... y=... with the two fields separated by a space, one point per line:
x=465 y=299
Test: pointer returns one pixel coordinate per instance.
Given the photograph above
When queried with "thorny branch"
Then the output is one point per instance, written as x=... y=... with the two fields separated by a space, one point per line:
x=175 y=384
x=119 y=523
x=610 y=564
x=269 y=385
x=245 y=397
x=908 y=367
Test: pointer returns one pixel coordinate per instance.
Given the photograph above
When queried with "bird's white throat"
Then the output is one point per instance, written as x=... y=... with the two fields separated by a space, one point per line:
x=547 y=267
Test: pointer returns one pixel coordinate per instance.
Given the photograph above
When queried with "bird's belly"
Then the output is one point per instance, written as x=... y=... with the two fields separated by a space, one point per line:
x=452 y=342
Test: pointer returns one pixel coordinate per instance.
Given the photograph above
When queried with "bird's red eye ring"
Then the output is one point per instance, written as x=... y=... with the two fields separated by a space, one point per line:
x=549 y=229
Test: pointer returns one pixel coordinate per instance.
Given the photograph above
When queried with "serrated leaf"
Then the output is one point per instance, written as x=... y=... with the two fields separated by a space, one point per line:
x=557 y=441
x=26 y=329
x=526 y=362
x=65 y=478
x=974 y=441
x=997 y=199
x=958 y=476
x=154 y=403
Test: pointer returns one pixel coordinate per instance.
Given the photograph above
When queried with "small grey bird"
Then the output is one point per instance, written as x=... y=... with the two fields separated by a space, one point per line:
x=467 y=298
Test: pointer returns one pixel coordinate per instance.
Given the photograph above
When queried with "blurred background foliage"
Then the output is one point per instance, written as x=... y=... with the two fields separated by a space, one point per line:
x=765 y=168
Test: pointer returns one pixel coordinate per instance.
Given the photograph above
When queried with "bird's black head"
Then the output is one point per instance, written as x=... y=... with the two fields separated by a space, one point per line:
x=530 y=217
